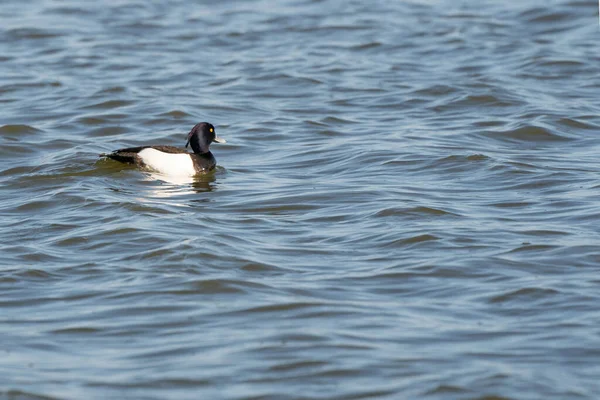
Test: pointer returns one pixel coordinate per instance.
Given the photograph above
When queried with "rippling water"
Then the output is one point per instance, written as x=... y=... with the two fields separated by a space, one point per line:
x=407 y=206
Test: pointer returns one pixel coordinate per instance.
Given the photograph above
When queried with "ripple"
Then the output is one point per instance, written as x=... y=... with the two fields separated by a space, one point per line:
x=260 y=267
x=112 y=90
x=520 y=204
x=528 y=294
x=447 y=389
x=418 y=239
x=528 y=134
x=416 y=211
x=436 y=91
x=106 y=130
x=544 y=16
x=32 y=33
x=18 y=130
x=176 y=114
x=577 y=124
x=15 y=394
x=109 y=105
x=527 y=247
x=76 y=331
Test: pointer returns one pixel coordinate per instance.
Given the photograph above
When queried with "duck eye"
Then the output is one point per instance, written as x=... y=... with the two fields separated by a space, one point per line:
x=211 y=130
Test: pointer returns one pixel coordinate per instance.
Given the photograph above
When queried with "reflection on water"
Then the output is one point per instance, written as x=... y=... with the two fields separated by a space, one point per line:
x=154 y=188
x=165 y=185
x=178 y=185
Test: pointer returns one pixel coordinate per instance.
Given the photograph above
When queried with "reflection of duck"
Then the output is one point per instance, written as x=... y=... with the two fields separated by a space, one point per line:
x=178 y=185
x=174 y=161
x=199 y=182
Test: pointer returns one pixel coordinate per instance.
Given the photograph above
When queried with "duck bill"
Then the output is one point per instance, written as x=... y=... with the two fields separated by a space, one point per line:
x=219 y=140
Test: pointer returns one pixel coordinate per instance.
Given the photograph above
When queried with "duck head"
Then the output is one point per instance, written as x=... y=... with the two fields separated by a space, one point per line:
x=201 y=136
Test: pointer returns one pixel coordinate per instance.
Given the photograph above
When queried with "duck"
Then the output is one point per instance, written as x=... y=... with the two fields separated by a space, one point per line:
x=175 y=161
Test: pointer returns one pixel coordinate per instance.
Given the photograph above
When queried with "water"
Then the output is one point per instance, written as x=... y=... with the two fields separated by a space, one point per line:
x=407 y=205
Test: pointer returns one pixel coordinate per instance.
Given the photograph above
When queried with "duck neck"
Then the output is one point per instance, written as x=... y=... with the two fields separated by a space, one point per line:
x=198 y=147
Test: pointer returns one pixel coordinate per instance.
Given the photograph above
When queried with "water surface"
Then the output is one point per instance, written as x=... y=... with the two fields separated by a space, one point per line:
x=407 y=205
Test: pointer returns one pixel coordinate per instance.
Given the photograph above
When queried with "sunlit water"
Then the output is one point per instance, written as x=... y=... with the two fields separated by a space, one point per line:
x=408 y=205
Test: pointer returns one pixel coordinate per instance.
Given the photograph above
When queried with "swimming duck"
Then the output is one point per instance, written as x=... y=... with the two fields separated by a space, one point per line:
x=170 y=160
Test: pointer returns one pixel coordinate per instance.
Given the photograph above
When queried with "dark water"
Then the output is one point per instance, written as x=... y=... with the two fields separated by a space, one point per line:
x=408 y=205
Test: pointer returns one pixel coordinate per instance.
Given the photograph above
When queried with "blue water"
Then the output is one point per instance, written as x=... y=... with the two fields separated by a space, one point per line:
x=407 y=205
